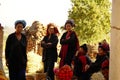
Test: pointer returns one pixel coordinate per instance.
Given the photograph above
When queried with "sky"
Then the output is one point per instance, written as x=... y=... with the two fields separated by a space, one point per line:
x=45 y=11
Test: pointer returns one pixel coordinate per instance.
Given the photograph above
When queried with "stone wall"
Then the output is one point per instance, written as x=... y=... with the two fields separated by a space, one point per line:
x=2 y=74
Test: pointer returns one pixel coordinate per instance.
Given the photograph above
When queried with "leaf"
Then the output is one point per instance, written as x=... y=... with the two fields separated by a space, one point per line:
x=92 y=19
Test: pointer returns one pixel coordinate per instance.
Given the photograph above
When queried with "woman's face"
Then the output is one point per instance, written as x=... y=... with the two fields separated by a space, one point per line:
x=19 y=28
x=101 y=51
x=51 y=29
x=68 y=27
x=81 y=51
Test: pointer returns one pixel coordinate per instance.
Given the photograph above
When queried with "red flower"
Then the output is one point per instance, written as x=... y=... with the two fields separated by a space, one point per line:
x=64 y=73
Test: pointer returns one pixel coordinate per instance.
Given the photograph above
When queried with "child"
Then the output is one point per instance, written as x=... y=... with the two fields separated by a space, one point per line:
x=80 y=61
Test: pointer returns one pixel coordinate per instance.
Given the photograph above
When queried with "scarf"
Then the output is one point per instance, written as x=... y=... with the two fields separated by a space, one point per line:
x=84 y=62
x=64 y=48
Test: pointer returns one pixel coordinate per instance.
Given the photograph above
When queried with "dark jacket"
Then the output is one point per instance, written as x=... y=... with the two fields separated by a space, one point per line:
x=50 y=51
x=15 y=52
x=72 y=43
x=97 y=65
x=78 y=65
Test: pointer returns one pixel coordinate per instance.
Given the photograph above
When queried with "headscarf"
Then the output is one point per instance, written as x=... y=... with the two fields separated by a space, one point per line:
x=23 y=22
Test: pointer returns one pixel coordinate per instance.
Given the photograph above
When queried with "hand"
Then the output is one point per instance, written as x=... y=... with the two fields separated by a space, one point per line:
x=77 y=52
x=87 y=67
x=49 y=43
x=43 y=42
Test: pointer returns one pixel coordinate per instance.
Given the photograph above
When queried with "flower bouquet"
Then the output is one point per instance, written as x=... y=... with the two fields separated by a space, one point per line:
x=64 y=73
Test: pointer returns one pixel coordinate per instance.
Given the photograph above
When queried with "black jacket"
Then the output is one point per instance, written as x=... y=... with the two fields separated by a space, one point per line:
x=49 y=51
x=96 y=66
x=72 y=45
x=15 y=52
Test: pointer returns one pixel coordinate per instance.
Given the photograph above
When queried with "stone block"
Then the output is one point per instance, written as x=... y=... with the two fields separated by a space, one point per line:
x=40 y=76
x=30 y=77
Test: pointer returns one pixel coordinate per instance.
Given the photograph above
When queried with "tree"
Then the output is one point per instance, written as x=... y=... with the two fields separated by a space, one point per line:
x=92 y=19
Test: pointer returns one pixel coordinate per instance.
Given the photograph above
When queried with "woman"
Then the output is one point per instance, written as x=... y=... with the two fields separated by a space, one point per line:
x=49 y=44
x=15 y=52
x=69 y=44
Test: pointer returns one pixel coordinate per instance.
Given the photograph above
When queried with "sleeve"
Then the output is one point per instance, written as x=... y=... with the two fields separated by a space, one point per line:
x=88 y=60
x=94 y=67
x=7 y=48
x=25 y=48
x=54 y=42
x=67 y=41
x=43 y=43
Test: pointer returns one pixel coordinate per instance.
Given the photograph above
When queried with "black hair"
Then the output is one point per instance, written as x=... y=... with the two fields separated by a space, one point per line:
x=85 y=48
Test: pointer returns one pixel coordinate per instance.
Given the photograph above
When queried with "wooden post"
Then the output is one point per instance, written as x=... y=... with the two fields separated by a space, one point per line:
x=115 y=42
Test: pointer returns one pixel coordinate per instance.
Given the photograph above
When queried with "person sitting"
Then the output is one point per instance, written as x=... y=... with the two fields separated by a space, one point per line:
x=97 y=65
x=80 y=61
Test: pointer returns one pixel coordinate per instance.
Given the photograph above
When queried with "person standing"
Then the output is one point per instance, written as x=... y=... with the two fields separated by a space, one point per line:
x=15 y=52
x=69 y=44
x=49 y=44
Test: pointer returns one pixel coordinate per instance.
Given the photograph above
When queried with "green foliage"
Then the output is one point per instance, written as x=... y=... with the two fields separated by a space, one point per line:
x=92 y=19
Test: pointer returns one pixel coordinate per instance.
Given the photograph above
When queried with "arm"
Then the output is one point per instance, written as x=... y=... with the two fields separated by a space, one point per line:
x=43 y=44
x=25 y=48
x=94 y=67
x=24 y=45
x=88 y=60
x=69 y=40
x=7 y=49
x=53 y=43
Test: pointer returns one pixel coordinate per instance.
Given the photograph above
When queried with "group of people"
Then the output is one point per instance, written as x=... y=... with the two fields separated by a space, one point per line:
x=69 y=45
x=70 y=53
x=84 y=67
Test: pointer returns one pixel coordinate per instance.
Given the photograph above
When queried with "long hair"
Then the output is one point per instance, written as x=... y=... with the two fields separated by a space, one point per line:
x=55 y=28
